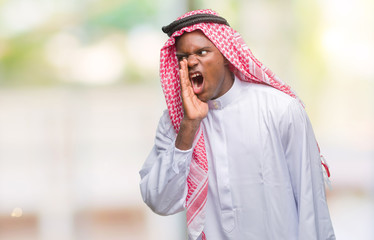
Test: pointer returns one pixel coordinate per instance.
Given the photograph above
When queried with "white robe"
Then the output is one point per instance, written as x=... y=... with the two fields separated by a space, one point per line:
x=265 y=174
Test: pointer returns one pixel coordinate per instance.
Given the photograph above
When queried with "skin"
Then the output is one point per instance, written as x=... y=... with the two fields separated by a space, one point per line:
x=196 y=53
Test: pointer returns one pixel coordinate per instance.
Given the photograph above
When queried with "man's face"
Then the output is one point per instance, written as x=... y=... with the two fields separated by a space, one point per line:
x=207 y=68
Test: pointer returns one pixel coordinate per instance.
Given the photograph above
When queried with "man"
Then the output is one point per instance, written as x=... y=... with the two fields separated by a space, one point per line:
x=235 y=147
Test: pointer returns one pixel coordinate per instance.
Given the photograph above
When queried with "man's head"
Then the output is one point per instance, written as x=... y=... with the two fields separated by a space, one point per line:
x=208 y=69
x=229 y=43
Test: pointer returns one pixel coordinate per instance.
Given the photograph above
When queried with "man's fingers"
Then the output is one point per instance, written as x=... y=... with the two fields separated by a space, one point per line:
x=183 y=72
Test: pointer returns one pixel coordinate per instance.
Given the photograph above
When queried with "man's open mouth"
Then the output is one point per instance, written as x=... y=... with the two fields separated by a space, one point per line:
x=197 y=81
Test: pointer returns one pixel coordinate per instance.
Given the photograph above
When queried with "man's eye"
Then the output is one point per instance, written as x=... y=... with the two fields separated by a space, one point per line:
x=180 y=58
x=203 y=52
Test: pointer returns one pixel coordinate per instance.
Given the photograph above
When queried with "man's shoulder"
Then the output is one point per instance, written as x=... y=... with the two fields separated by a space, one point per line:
x=269 y=102
x=266 y=94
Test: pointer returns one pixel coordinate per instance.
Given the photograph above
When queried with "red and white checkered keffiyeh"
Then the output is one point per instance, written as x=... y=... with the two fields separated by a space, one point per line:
x=244 y=65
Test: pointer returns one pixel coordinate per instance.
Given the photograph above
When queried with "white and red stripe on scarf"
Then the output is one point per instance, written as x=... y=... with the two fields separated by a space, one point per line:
x=244 y=65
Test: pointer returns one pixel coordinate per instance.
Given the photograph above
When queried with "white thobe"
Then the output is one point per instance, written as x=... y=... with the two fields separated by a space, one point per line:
x=265 y=175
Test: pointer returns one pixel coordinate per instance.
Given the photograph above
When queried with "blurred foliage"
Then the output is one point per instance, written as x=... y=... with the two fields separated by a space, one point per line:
x=22 y=62
x=309 y=52
x=22 y=55
x=123 y=16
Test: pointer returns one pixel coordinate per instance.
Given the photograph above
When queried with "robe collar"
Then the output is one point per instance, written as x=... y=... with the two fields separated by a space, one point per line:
x=227 y=98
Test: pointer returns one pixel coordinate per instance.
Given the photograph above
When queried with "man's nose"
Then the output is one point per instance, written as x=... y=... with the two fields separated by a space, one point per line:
x=192 y=60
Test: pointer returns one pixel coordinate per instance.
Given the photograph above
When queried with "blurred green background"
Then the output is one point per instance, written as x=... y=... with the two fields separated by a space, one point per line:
x=80 y=100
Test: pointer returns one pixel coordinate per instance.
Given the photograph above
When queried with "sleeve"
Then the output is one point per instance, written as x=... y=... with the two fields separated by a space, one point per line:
x=164 y=174
x=304 y=164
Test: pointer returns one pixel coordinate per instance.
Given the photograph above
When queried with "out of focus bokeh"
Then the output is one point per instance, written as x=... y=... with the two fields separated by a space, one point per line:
x=80 y=100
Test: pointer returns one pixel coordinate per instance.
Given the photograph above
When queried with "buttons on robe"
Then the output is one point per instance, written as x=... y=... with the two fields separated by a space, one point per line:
x=214 y=104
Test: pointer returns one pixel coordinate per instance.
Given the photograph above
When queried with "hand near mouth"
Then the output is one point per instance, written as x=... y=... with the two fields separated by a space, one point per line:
x=194 y=109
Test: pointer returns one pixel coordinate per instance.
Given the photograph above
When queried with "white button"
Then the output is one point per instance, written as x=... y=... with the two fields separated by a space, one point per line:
x=216 y=105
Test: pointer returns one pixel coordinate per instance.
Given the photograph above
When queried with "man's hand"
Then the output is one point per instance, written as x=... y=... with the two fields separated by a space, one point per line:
x=194 y=109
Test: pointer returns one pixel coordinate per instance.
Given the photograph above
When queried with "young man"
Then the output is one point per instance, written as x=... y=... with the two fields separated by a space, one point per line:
x=235 y=147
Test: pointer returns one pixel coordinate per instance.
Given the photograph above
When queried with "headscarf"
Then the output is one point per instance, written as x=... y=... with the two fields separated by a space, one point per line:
x=244 y=65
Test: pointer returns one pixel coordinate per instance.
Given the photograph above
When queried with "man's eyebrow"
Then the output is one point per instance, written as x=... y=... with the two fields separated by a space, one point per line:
x=203 y=48
x=181 y=54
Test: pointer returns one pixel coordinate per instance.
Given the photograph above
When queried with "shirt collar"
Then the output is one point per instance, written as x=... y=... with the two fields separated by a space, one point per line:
x=227 y=98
